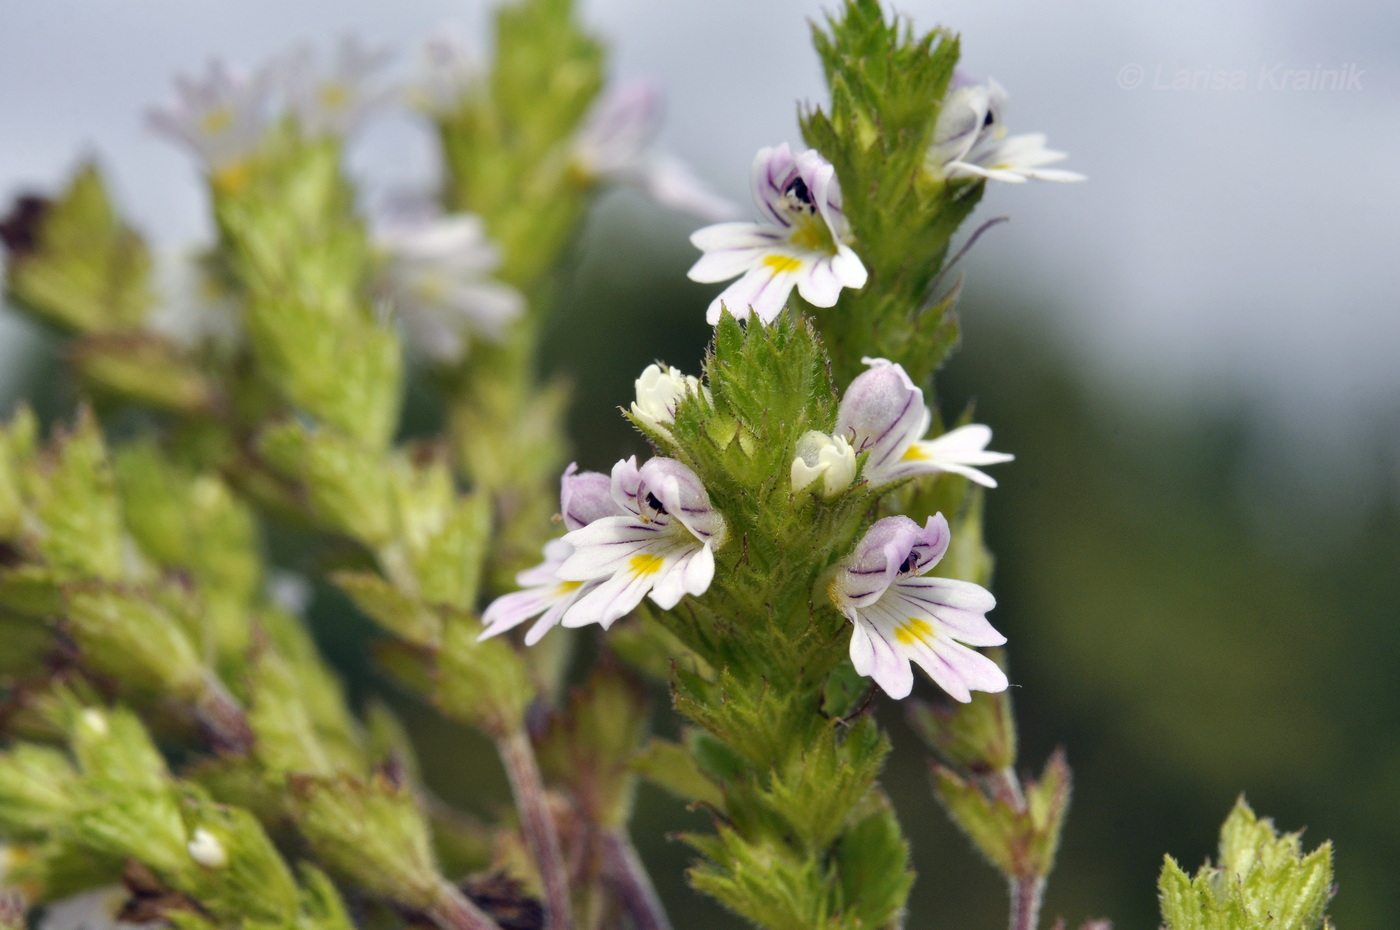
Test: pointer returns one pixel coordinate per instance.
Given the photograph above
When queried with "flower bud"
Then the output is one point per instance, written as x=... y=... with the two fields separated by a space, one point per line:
x=206 y=849
x=830 y=458
x=659 y=391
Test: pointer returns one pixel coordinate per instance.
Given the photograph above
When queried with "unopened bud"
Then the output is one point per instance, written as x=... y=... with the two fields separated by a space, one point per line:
x=206 y=849
x=830 y=458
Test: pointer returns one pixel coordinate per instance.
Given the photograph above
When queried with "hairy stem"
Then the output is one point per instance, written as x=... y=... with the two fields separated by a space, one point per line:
x=537 y=824
x=633 y=885
x=223 y=720
x=1026 y=897
x=454 y=911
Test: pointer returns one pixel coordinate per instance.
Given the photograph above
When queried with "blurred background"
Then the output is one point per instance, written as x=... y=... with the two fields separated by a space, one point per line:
x=1195 y=357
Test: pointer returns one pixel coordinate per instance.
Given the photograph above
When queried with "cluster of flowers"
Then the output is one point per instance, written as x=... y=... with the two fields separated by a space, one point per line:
x=653 y=530
x=437 y=269
x=804 y=238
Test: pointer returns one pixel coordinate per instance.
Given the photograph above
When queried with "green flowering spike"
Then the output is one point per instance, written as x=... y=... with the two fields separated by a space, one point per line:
x=441 y=536
x=145 y=369
x=816 y=791
x=484 y=683
x=758 y=722
x=188 y=522
x=671 y=766
x=237 y=873
x=406 y=617
x=74 y=498
x=977 y=737
x=16 y=450
x=30 y=591
x=136 y=641
x=764 y=880
x=873 y=859
x=74 y=263
x=591 y=745
x=1018 y=836
x=886 y=83
x=288 y=737
x=1261 y=877
x=38 y=791
x=346 y=482
x=371 y=833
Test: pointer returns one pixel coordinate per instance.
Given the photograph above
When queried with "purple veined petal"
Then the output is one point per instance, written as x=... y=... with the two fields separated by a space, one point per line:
x=668 y=584
x=626 y=485
x=874 y=655
x=930 y=543
x=820 y=178
x=955 y=451
x=883 y=412
x=956 y=607
x=548 y=601
x=614 y=597
x=772 y=172
x=585 y=496
x=700 y=570
x=684 y=497
x=863 y=577
x=730 y=250
x=488 y=307
x=609 y=545
x=620 y=127
x=960 y=120
x=762 y=290
x=959 y=670
x=672 y=183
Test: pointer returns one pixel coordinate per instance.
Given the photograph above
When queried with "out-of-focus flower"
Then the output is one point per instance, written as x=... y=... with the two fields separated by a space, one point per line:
x=437 y=277
x=92 y=910
x=583 y=498
x=970 y=140
x=615 y=144
x=829 y=458
x=336 y=99
x=449 y=74
x=659 y=390
x=883 y=413
x=191 y=311
x=801 y=243
x=901 y=617
x=220 y=118
x=663 y=544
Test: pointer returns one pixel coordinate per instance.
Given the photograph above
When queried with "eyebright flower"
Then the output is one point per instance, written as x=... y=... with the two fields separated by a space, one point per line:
x=220 y=118
x=615 y=144
x=970 y=140
x=901 y=617
x=335 y=100
x=663 y=545
x=829 y=458
x=583 y=498
x=802 y=242
x=659 y=390
x=436 y=277
x=883 y=412
x=450 y=74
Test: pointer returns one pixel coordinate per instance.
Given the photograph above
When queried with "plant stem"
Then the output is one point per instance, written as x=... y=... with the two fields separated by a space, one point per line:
x=224 y=722
x=454 y=911
x=537 y=824
x=1026 y=895
x=632 y=883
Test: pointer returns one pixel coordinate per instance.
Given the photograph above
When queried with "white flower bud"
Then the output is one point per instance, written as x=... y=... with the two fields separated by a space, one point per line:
x=659 y=391
x=95 y=720
x=206 y=849
x=830 y=458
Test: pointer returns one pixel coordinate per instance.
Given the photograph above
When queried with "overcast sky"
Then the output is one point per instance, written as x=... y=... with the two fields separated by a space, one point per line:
x=1240 y=238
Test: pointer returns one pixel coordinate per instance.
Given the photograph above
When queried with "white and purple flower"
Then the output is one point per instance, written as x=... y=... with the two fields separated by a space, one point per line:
x=802 y=243
x=883 y=413
x=663 y=544
x=615 y=144
x=222 y=117
x=437 y=278
x=901 y=617
x=970 y=140
x=583 y=498
x=334 y=100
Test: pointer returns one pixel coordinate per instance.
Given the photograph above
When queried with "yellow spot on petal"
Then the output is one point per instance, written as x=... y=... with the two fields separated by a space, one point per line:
x=333 y=95
x=913 y=631
x=811 y=233
x=566 y=587
x=231 y=178
x=216 y=121
x=645 y=564
x=781 y=263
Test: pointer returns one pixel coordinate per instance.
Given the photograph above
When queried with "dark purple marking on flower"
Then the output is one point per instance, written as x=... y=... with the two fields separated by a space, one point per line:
x=19 y=231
